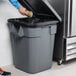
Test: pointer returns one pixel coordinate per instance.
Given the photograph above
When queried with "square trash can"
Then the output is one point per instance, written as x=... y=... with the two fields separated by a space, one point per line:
x=32 y=40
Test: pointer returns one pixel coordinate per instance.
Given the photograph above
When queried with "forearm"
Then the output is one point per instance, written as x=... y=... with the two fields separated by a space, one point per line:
x=20 y=8
x=15 y=3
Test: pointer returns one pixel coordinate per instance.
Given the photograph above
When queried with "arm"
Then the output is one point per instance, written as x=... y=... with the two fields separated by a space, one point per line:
x=18 y=6
x=15 y=3
x=21 y=9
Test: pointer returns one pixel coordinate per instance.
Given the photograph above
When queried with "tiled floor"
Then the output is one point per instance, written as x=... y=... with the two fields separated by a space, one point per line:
x=62 y=70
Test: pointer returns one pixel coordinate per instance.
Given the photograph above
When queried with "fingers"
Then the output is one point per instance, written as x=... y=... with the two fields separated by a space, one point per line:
x=29 y=13
x=24 y=11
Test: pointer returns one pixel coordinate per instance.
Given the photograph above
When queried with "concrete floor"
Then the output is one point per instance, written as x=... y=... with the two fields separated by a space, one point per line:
x=68 y=69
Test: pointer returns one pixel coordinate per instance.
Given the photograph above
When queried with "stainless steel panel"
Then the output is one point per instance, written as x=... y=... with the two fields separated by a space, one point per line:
x=73 y=29
x=71 y=52
x=71 y=57
x=69 y=18
x=70 y=48
x=71 y=40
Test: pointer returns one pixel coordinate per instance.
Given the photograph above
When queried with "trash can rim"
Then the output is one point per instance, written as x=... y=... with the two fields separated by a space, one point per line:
x=28 y=24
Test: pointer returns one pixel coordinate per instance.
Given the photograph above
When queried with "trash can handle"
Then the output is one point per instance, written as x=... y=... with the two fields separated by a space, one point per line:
x=52 y=29
x=20 y=32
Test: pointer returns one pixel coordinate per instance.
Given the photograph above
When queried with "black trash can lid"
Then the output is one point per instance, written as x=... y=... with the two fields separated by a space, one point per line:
x=41 y=7
x=33 y=22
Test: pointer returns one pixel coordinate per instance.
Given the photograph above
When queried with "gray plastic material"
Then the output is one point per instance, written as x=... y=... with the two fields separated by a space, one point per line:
x=33 y=48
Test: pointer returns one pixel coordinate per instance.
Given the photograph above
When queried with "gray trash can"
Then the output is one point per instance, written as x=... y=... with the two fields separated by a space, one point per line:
x=33 y=41
x=32 y=45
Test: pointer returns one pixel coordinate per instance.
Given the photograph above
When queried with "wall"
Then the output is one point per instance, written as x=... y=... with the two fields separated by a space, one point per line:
x=6 y=11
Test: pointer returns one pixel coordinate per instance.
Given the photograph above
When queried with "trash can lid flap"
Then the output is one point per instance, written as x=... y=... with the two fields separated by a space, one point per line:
x=41 y=7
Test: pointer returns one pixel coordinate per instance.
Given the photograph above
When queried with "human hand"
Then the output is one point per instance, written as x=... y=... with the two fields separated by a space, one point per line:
x=24 y=11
